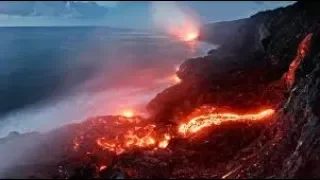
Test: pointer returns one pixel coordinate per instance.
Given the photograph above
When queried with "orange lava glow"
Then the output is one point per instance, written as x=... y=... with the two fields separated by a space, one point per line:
x=301 y=53
x=102 y=167
x=199 y=122
x=138 y=137
x=164 y=143
x=190 y=36
x=128 y=113
x=133 y=133
x=176 y=79
x=186 y=32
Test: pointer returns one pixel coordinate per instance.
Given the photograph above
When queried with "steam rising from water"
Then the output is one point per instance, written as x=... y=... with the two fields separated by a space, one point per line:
x=111 y=72
x=114 y=71
x=173 y=18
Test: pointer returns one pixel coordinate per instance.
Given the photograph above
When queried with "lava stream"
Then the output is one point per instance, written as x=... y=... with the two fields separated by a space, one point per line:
x=135 y=133
x=199 y=122
x=302 y=51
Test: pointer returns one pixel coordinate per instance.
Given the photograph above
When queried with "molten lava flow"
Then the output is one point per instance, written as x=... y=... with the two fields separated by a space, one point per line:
x=136 y=137
x=181 y=22
x=301 y=53
x=214 y=118
x=131 y=133
x=164 y=143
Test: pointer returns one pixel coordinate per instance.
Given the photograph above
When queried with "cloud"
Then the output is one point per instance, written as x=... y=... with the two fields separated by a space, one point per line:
x=53 y=8
x=109 y=4
x=90 y=9
x=16 y=7
x=259 y=2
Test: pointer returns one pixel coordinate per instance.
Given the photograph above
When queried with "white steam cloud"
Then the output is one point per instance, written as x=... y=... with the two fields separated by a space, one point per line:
x=171 y=17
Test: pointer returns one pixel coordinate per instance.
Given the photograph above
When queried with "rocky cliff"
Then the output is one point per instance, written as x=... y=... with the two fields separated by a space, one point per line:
x=255 y=52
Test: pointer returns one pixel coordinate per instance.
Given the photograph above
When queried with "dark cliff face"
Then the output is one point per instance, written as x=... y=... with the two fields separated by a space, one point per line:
x=289 y=148
x=259 y=53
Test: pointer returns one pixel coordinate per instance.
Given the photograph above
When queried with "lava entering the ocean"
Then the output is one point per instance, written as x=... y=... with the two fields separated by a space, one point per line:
x=182 y=23
x=190 y=36
x=187 y=32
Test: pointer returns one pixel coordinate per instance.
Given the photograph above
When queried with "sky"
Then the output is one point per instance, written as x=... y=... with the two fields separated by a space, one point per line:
x=125 y=14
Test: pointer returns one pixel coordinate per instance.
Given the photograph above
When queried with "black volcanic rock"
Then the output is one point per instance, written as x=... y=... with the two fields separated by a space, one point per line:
x=252 y=51
x=289 y=148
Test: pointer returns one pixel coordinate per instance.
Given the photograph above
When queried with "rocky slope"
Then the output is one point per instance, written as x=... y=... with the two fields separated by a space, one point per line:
x=253 y=53
x=246 y=59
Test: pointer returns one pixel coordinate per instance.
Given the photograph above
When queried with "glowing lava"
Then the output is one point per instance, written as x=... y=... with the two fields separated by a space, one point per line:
x=187 y=32
x=301 y=53
x=125 y=134
x=138 y=137
x=199 y=122
x=182 y=22
x=128 y=113
x=176 y=79
x=190 y=36
x=164 y=143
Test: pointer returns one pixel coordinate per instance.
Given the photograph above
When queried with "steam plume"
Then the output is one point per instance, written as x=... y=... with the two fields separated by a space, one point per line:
x=173 y=18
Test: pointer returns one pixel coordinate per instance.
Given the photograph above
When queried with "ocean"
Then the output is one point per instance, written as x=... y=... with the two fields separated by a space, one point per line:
x=52 y=76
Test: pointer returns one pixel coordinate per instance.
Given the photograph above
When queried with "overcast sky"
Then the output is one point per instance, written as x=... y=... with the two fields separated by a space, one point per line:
x=130 y=14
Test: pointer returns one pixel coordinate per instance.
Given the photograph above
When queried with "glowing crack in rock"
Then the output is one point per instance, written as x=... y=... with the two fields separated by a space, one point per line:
x=301 y=53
